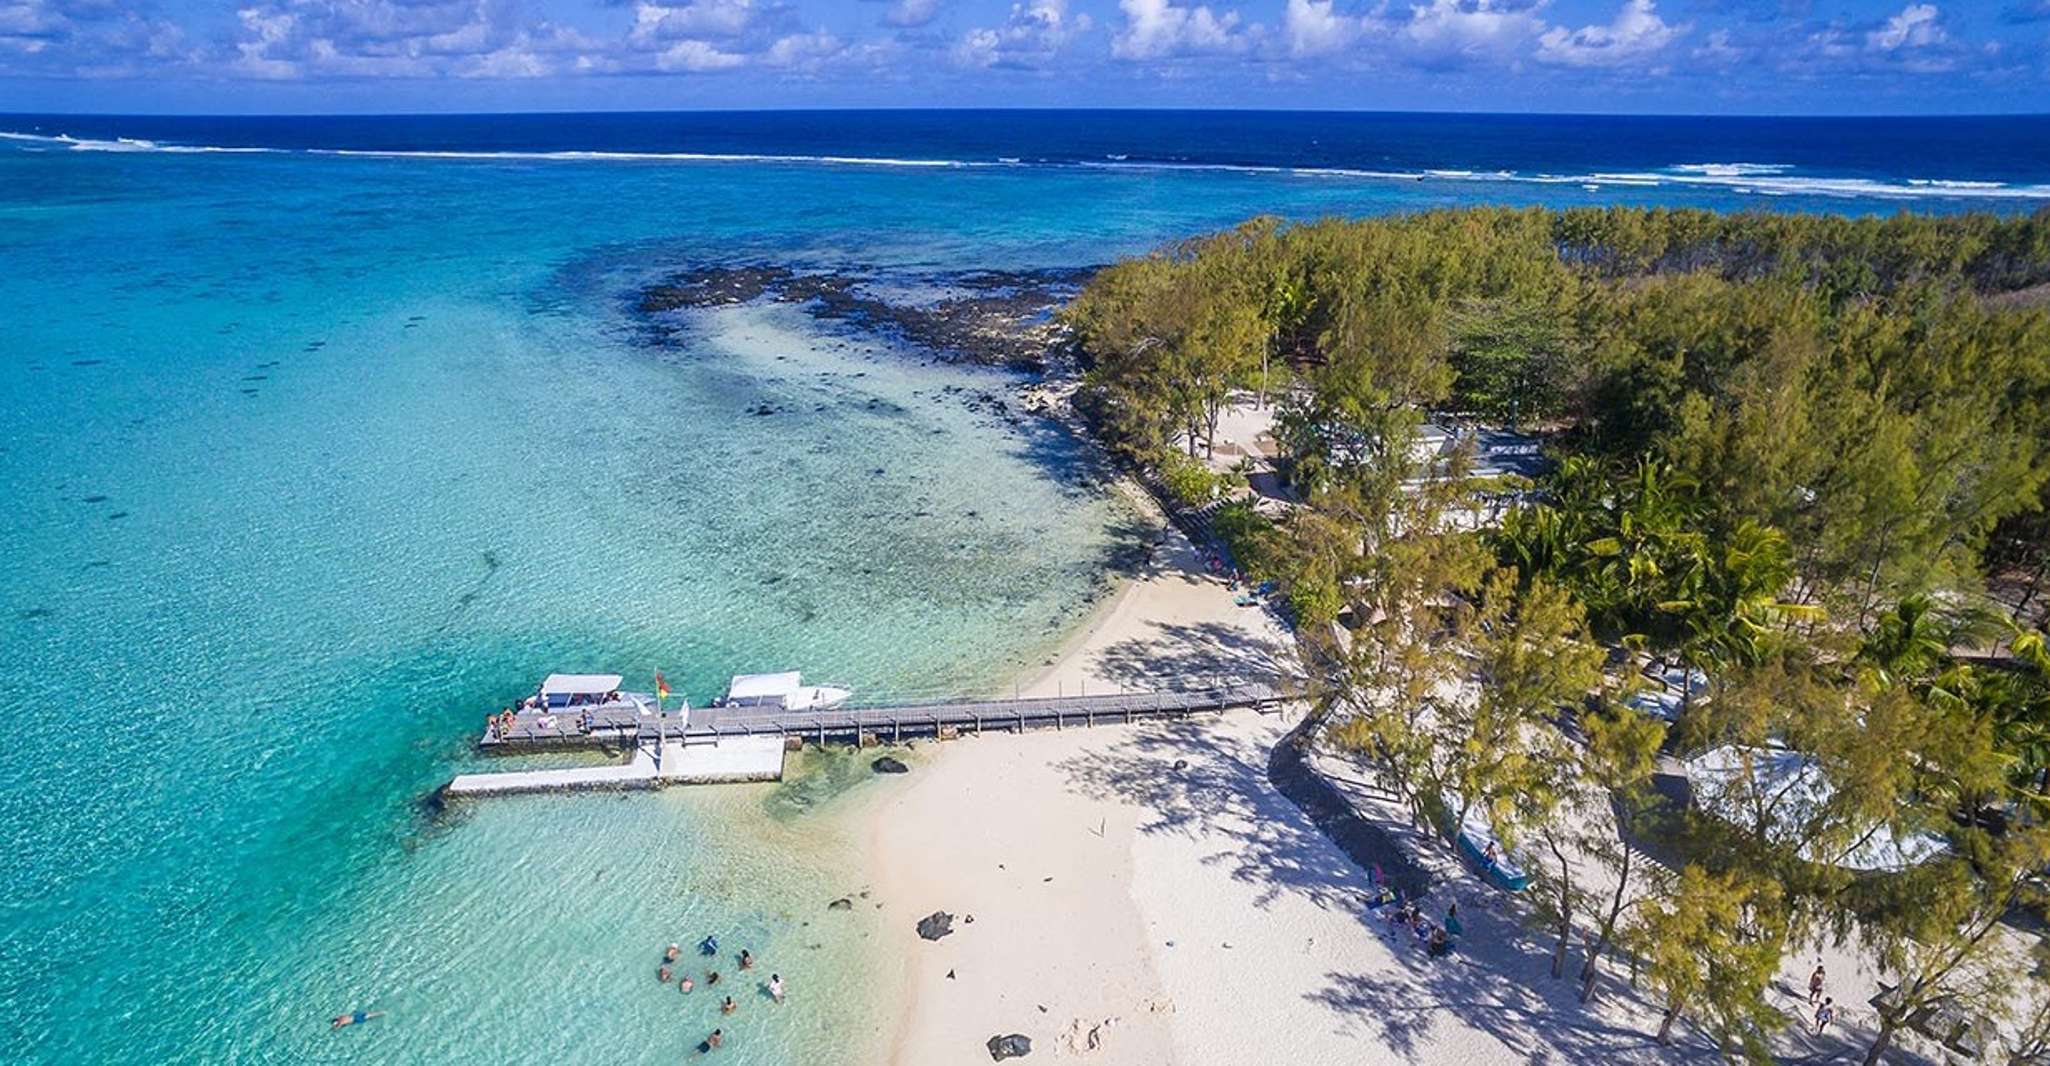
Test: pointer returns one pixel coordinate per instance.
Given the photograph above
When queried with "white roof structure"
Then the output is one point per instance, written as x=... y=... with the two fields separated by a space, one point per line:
x=1715 y=777
x=760 y=686
x=580 y=684
x=1656 y=702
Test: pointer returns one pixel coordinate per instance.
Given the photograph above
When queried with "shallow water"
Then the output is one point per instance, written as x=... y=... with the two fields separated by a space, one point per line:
x=312 y=461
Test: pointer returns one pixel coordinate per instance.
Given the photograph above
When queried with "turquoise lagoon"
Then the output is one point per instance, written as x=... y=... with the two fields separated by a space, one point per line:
x=310 y=461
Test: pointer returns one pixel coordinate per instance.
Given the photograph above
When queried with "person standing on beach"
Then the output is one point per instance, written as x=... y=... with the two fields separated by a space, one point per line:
x=1815 y=984
x=1824 y=1015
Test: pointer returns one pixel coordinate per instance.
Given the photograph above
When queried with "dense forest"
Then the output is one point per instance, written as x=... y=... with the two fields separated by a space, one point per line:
x=1802 y=457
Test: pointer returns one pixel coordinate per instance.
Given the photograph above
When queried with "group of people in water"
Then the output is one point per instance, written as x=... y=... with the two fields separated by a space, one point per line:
x=709 y=948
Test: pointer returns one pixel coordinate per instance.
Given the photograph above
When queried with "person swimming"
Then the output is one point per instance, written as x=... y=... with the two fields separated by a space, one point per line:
x=685 y=985
x=709 y=946
x=711 y=977
x=663 y=974
x=747 y=960
x=671 y=953
x=354 y=1018
x=776 y=987
x=712 y=1042
x=727 y=1006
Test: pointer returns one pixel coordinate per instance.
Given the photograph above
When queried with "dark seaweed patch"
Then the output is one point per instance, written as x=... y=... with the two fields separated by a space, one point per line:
x=87 y=362
x=31 y=614
x=117 y=515
x=94 y=499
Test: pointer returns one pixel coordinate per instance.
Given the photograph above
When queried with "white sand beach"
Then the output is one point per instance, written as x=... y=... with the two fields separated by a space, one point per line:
x=1149 y=883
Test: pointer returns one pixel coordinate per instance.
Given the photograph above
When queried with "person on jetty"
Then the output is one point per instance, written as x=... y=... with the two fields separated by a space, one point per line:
x=727 y=1006
x=747 y=961
x=712 y=1042
x=776 y=987
x=354 y=1018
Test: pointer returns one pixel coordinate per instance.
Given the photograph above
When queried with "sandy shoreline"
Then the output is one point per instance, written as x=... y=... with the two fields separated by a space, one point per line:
x=1150 y=884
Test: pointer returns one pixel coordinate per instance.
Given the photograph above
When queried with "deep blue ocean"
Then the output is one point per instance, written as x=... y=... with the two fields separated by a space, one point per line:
x=326 y=436
x=1946 y=159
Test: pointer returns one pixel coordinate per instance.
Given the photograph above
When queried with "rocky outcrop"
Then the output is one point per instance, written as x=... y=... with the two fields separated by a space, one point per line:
x=992 y=317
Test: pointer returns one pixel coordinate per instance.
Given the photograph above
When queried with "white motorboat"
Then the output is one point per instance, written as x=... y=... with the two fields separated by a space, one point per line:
x=785 y=690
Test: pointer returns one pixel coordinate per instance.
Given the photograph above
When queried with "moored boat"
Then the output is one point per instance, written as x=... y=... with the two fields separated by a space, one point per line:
x=785 y=691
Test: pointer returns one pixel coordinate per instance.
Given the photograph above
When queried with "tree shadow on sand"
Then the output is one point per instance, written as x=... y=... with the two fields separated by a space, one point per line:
x=1191 y=655
x=1190 y=781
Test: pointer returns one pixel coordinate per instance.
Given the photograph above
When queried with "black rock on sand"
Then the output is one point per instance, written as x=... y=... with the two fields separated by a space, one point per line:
x=935 y=925
x=1013 y=1046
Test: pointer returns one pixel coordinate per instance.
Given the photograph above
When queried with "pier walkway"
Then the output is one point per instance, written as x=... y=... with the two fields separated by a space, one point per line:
x=626 y=722
x=708 y=745
x=715 y=744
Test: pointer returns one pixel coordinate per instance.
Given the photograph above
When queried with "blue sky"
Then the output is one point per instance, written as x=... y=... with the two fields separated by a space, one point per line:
x=1685 y=56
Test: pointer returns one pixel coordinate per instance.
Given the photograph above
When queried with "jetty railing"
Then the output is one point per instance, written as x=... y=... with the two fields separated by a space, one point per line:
x=879 y=721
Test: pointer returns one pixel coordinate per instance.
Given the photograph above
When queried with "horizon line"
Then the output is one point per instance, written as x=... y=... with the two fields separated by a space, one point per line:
x=926 y=109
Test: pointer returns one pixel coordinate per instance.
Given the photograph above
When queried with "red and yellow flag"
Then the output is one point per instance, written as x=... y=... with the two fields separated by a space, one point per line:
x=661 y=687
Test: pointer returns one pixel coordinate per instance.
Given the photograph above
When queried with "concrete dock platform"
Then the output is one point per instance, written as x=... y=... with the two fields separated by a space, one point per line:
x=675 y=762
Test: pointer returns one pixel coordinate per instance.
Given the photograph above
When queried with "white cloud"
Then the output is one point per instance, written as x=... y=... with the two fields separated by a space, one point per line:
x=804 y=51
x=1637 y=33
x=912 y=13
x=696 y=56
x=1314 y=28
x=716 y=19
x=1454 y=32
x=1720 y=50
x=1029 y=39
x=1917 y=26
x=1157 y=29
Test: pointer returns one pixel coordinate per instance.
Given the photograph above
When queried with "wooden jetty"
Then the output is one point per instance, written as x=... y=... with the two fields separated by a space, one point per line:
x=706 y=744
x=624 y=722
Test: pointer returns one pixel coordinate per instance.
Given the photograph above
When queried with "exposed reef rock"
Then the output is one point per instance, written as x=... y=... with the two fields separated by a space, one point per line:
x=990 y=317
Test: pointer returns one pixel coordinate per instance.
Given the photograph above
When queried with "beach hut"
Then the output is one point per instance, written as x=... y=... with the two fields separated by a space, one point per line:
x=1719 y=783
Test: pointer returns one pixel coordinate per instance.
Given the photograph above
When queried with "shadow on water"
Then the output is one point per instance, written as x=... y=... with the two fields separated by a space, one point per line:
x=815 y=778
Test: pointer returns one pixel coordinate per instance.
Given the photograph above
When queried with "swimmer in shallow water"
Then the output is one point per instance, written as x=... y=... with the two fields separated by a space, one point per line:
x=727 y=1006
x=354 y=1018
x=671 y=954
